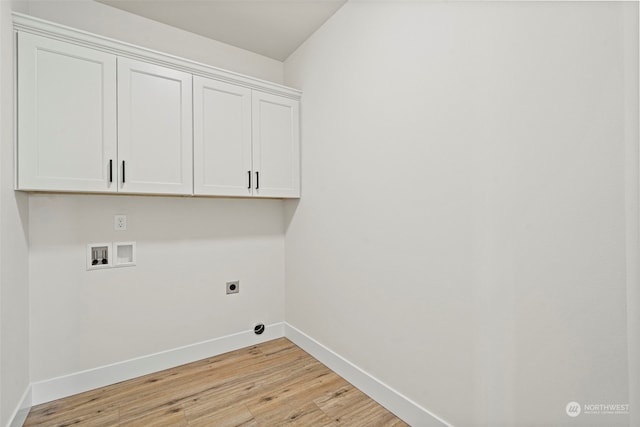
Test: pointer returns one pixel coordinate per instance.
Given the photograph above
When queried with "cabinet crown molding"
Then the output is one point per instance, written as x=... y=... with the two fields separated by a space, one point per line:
x=30 y=24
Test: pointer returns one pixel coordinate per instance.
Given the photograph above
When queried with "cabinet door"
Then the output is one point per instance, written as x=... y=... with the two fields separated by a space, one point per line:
x=221 y=138
x=276 y=145
x=66 y=116
x=154 y=129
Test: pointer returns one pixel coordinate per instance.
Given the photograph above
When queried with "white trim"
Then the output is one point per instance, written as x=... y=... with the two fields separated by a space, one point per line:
x=19 y=415
x=56 y=388
x=403 y=407
x=53 y=30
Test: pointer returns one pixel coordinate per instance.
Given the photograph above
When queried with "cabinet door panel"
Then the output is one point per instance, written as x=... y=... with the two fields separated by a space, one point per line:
x=154 y=129
x=222 y=138
x=66 y=116
x=276 y=145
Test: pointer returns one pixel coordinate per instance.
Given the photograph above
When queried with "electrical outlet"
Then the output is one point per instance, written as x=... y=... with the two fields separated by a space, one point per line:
x=233 y=287
x=120 y=222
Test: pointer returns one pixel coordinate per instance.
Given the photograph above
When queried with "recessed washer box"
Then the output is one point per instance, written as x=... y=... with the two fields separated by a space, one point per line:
x=125 y=254
x=99 y=256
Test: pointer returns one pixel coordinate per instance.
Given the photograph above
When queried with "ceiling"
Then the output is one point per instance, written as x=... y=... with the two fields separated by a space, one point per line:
x=273 y=28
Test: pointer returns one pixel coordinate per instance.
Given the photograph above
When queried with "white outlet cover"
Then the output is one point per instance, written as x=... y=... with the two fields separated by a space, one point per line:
x=120 y=222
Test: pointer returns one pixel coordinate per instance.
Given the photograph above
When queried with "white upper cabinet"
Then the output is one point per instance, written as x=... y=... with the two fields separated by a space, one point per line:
x=66 y=116
x=276 y=145
x=246 y=143
x=154 y=129
x=221 y=138
x=96 y=115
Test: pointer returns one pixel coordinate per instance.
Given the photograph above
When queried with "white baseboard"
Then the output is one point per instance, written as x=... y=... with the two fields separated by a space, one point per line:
x=400 y=405
x=56 y=388
x=20 y=413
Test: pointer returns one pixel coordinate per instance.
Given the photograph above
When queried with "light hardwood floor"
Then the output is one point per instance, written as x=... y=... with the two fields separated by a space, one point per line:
x=270 y=384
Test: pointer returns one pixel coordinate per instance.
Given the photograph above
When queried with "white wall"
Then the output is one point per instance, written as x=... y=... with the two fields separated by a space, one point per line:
x=632 y=198
x=187 y=248
x=14 y=286
x=461 y=234
x=108 y=21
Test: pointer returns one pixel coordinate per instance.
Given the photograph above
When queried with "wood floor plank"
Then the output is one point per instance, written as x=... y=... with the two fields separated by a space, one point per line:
x=170 y=416
x=83 y=405
x=272 y=384
x=95 y=418
x=290 y=415
x=349 y=406
x=229 y=416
